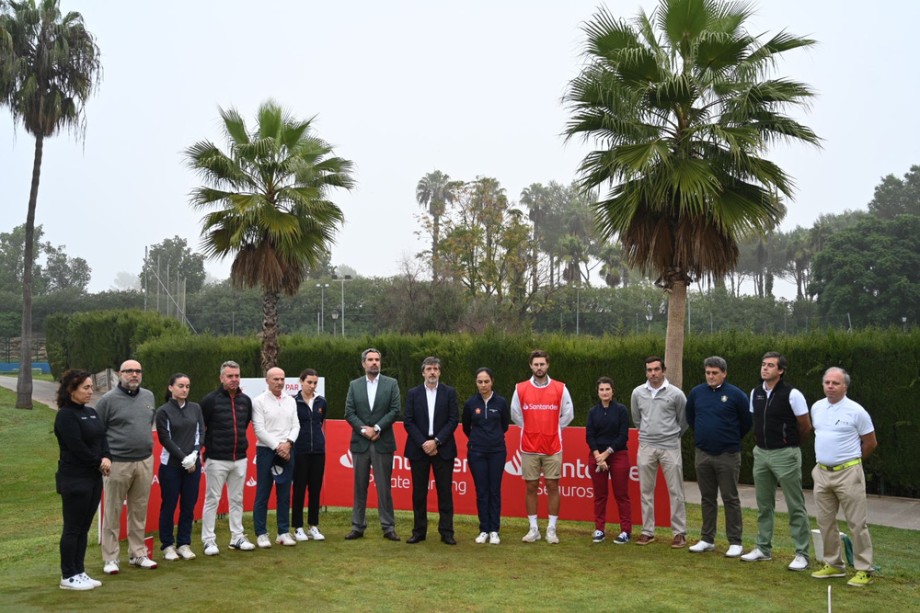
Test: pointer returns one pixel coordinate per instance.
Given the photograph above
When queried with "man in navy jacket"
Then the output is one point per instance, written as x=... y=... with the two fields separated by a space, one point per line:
x=432 y=415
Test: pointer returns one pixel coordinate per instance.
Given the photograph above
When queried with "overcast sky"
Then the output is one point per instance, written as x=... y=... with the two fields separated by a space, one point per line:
x=403 y=88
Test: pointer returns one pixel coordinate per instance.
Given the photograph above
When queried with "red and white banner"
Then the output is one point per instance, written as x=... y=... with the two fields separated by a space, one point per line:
x=576 y=488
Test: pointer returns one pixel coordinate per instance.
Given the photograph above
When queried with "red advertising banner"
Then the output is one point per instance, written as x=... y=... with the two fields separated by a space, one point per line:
x=576 y=488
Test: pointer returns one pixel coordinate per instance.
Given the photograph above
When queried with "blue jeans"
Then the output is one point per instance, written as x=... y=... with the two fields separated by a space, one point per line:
x=487 y=469
x=265 y=481
x=178 y=486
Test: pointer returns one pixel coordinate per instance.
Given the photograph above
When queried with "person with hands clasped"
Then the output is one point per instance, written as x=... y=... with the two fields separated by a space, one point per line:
x=274 y=420
x=607 y=433
x=180 y=428
x=84 y=460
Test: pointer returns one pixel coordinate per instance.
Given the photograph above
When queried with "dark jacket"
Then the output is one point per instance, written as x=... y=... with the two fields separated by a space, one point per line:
x=312 y=439
x=82 y=441
x=607 y=427
x=381 y=416
x=226 y=419
x=446 y=418
x=180 y=430
x=719 y=417
x=485 y=423
x=775 y=425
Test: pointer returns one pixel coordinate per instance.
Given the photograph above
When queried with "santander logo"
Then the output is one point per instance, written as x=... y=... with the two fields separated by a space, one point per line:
x=251 y=482
x=345 y=460
x=513 y=466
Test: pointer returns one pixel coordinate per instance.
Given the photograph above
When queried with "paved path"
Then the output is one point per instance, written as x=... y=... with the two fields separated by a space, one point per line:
x=883 y=510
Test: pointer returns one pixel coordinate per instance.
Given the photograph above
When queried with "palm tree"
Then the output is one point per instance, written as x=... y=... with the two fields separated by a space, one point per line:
x=49 y=67
x=272 y=214
x=435 y=190
x=683 y=108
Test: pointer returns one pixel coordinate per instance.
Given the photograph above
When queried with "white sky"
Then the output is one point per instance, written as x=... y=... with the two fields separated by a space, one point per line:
x=402 y=88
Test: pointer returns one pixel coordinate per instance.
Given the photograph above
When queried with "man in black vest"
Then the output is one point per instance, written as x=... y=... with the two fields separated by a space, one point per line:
x=781 y=423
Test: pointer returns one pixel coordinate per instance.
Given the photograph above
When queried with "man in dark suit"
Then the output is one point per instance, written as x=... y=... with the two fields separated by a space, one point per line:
x=432 y=415
x=371 y=408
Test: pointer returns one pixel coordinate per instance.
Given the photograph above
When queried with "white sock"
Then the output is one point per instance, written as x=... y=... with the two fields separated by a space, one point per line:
x=533 y=522
x=552 y=520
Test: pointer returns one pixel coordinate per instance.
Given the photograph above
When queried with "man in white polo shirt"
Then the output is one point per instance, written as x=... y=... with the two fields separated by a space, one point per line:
x=844 y=437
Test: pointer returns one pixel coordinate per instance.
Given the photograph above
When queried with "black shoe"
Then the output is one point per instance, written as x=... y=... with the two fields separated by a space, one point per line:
x=391 y=535
x=354 y=534
x=412 y=540
x=448 y=539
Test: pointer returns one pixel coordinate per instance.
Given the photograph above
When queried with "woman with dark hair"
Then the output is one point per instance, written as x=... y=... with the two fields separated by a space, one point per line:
x=180 y=428
x=486 y=417
x=309 y=457
x=84 y=459
x=607 y=432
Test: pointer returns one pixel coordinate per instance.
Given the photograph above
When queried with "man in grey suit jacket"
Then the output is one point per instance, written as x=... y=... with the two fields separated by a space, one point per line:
x=371 y=408
x=432 y=415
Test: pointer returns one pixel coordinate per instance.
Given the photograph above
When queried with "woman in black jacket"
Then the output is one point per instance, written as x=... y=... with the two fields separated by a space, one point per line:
x=485 y=420
x=607 y=432
x=309 y=457
x=83 y=461
x=180 y=428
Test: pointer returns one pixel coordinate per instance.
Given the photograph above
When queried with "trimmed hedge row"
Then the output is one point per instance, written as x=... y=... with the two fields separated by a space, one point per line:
x=885 y=366
x=103 y=339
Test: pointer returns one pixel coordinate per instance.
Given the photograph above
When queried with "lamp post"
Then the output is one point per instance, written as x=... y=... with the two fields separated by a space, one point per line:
x=322 y=306
x=343 y=279
x=335 y=316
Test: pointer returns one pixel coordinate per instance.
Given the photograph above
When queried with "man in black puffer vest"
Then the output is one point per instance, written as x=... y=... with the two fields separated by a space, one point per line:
x=781 y=423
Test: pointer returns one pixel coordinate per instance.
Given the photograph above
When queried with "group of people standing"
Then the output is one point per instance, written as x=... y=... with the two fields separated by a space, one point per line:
x=113 y=445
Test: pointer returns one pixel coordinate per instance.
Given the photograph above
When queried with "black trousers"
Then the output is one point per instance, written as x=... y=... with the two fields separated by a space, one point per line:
x=79 y=500
x=443 y=478
x=308 y=477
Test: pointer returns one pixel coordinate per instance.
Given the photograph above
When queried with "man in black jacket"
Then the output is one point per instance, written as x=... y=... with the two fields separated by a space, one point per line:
x=227 y=412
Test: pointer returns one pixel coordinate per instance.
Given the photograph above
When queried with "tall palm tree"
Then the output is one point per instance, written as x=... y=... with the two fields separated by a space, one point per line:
x=683 y=108
x=435 y=191
x=49 y=67
x=270 y=191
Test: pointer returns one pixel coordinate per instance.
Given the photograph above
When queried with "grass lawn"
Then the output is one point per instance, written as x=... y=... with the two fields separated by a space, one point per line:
x=36 y=374
x=373 y=574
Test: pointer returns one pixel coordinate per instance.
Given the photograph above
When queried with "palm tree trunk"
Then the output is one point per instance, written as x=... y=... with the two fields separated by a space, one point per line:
x=270 y=347
x=435 y=238
x=674 y=339
x=24 y=382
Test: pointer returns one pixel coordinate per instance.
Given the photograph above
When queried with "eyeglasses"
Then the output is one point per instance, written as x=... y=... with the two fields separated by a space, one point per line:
x=132 y=371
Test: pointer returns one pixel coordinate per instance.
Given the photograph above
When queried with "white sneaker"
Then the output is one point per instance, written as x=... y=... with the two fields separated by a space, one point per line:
x=244 y=544
x=494 y=538
x=185 y=552
x=756 y=555
x=285 y=539
x=170 y=554
x=315 y=534
x=142 y=562
x=799 y=563
x=211 y=549
x=532 y=536
x=300 y=535
x=90 y=580
x=701 y=547
x=111 y=567
x=76 y=583
x=482 y=538
x=734 y=551
x=263 y=542
x=597 y=537
x=551 y=537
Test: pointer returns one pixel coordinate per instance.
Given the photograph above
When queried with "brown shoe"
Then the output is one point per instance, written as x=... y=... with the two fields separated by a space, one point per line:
x=679 y=542
x=645 y=539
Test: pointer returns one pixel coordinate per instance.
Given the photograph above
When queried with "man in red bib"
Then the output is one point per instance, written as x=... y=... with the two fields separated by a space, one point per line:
x=542 y=408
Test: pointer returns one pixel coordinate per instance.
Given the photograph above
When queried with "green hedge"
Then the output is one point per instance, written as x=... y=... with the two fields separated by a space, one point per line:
x=885 y=366
x=103 y=339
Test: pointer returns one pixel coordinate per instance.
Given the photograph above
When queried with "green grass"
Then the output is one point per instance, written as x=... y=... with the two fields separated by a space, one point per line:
x=36 y=374
x=377 y=575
